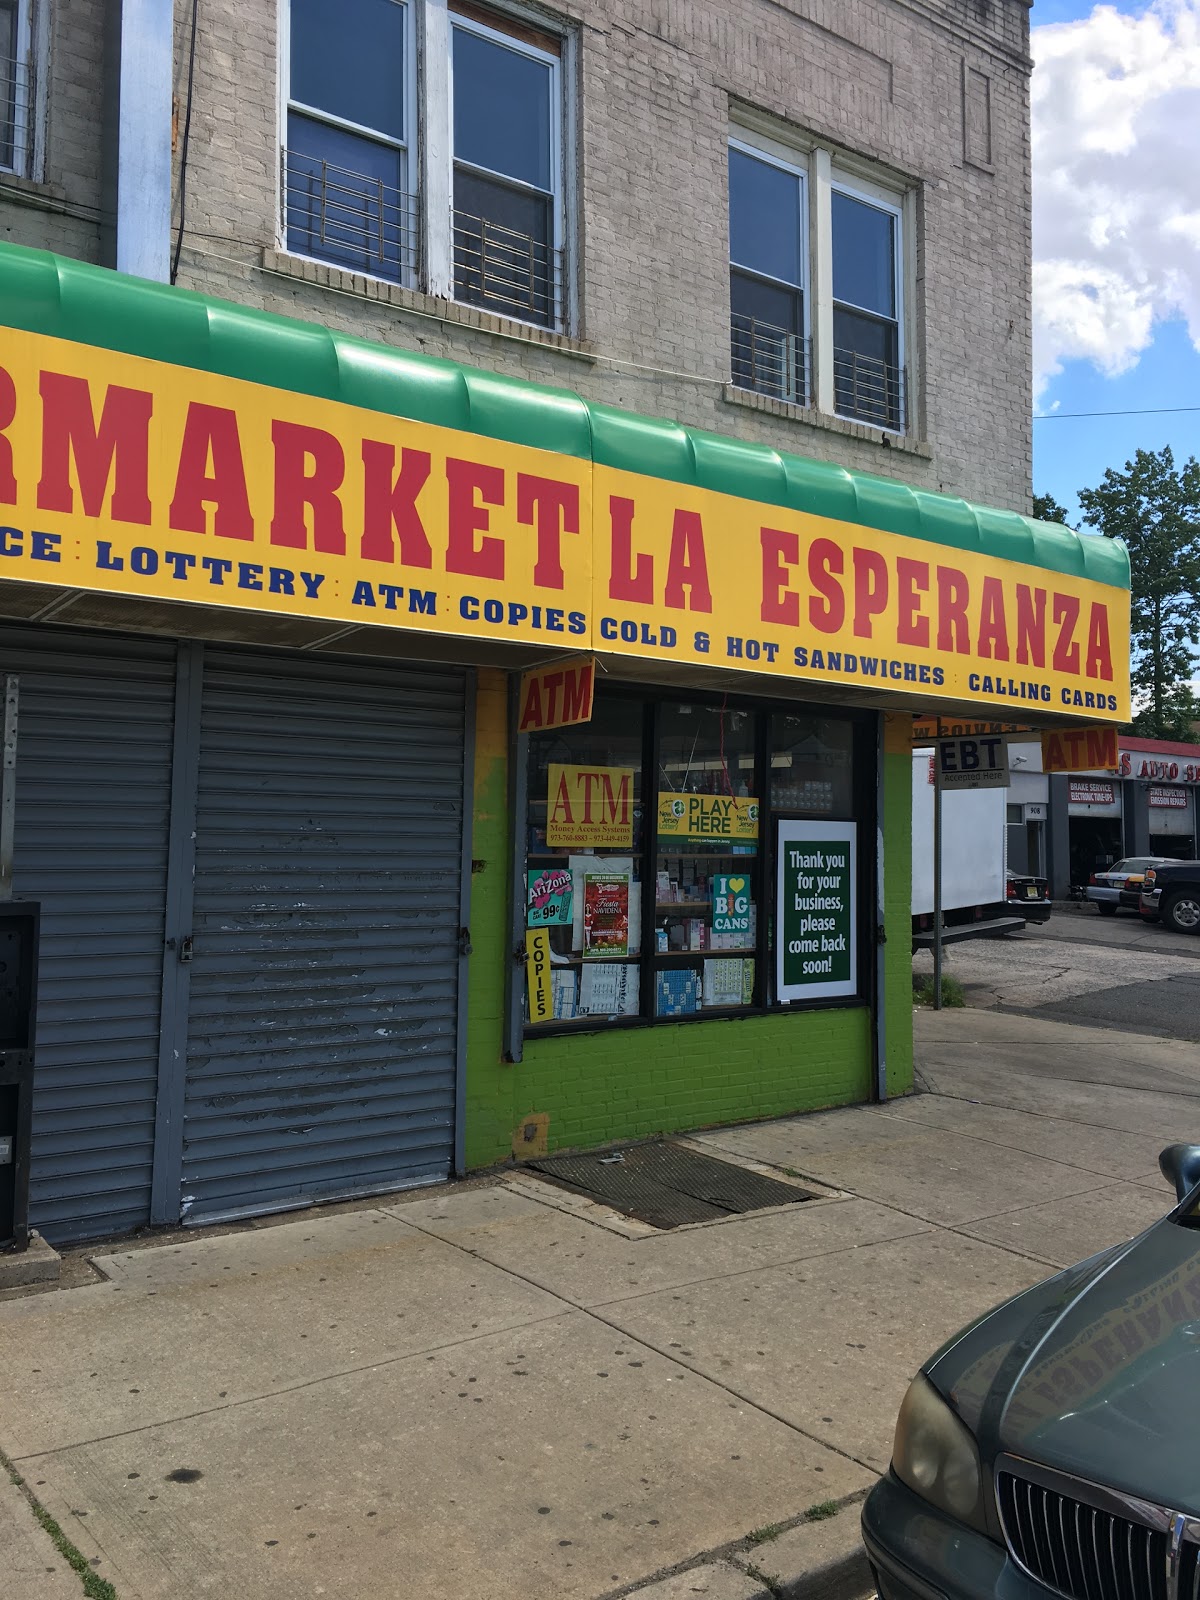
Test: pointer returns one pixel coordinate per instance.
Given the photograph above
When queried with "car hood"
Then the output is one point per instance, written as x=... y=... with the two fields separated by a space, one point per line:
x=1095 y=1372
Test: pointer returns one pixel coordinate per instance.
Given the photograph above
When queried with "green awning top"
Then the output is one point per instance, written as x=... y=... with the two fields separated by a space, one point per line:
x=65 y=299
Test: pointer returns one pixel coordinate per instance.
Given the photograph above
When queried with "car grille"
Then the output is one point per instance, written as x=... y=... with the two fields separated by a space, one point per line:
x=1088 y=1553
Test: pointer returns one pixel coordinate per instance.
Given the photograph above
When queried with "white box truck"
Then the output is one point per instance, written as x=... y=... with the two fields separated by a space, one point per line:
x=975 y=898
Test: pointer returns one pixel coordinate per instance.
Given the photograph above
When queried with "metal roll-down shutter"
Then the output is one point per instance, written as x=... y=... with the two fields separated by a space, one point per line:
x=321 y=1052
x=93 y=813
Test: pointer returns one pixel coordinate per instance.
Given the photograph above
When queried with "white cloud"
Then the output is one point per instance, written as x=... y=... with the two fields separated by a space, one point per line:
x=1116 y=184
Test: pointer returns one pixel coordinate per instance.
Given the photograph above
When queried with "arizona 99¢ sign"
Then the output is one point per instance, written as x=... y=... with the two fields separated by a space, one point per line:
x=816 y=955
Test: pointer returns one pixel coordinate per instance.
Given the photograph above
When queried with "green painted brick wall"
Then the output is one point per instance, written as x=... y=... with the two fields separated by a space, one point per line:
x=897 y=900
x=627 y=1083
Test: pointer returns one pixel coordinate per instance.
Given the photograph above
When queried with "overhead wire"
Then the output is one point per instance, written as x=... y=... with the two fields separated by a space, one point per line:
x=185 y=142
x=1140 y=411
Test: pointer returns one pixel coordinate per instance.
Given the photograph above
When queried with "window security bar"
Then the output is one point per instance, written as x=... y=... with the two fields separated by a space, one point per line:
x=769 y=359
x=508 y=272
x=16 y=114
x=350 y=219
x=869 y=390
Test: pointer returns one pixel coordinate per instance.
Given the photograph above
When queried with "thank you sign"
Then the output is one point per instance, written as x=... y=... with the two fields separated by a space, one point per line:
x=816 y=918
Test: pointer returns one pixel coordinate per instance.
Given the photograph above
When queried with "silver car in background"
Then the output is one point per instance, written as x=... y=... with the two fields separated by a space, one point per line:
x=1121 y=884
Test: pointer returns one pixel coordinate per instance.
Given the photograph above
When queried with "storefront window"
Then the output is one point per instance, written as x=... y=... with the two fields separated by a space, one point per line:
x=650 y=880
x=583 y=883
x=706 y=892
x=812 y=766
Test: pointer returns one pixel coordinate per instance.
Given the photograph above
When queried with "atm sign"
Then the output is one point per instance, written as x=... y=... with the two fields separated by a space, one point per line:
x=557 y=696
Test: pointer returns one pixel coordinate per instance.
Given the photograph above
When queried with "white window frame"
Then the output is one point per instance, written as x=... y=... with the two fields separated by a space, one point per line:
x=408 y=145
x=873 y=194
x=428 y=142
x=25 y=110
x=825 y=171
x=793 y=163
x=509 y=41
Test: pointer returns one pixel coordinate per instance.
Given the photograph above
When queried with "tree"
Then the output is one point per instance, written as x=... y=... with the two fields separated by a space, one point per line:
x=1155 y=508
x=1047 y=509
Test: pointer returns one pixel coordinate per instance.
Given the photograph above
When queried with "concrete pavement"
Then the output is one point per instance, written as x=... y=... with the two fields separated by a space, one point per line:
x=31 y=1568
x=1088 y=970
x=494 y=1391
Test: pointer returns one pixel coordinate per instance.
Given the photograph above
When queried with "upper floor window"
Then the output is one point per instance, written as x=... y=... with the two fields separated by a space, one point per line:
x=457 y=187
x=839 y=343
x=506 y=181
x=868 y=369
x=768 y=258
x=348 y=190
x=16 y=85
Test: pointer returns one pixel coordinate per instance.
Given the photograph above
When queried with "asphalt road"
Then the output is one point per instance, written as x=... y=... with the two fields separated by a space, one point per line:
x=1109 y=972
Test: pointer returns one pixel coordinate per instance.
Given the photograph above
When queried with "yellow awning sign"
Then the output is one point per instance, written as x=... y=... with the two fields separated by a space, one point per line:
x=316 y=489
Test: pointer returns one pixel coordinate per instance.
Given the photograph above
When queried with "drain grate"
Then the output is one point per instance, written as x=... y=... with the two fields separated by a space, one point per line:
x=667 y=1185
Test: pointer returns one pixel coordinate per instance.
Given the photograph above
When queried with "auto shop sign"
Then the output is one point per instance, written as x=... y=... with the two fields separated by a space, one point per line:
x=1164 y=769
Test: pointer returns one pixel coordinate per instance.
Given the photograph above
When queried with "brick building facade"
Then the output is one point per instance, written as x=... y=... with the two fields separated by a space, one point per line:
x=928 y=99
x=660 y=344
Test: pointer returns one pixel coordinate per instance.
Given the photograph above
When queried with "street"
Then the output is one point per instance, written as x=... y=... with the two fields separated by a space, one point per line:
x=1115 y=972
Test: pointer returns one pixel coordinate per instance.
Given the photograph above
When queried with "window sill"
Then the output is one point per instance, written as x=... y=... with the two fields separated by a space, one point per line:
x=810 y=417
x=448 y=312
x=16 y=187
x=589 y=1025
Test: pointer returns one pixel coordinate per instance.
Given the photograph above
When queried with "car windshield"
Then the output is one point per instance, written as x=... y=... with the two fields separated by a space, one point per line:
x=1134 y=864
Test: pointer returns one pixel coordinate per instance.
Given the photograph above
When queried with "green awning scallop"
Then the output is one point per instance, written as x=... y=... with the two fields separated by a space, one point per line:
x=51 y=295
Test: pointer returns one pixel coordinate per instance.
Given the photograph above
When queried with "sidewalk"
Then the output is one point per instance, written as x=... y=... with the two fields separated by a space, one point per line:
x=494 y=1393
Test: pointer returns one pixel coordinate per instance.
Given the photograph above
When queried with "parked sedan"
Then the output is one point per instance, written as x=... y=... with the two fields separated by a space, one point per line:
x=1121 y=884
x=1050 y=1448
x=1030 y=894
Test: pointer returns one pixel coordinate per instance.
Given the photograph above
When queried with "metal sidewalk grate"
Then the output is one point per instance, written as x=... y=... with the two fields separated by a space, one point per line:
x=666 y=1185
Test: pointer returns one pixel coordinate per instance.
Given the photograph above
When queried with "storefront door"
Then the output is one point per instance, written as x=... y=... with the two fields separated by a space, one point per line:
x=321 y=1050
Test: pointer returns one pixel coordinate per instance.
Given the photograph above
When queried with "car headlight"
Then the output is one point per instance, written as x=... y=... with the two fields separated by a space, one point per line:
x=935 y=1455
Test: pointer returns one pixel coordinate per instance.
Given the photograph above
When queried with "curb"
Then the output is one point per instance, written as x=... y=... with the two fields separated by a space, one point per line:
x=40 y=1263
x=811 y=1558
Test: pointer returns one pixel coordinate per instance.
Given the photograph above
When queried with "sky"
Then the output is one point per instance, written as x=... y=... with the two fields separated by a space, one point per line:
x=1116 y=235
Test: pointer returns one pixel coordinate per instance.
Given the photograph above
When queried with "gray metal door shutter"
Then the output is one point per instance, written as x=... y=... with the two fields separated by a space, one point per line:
x=93 y=810
x=322 y=1021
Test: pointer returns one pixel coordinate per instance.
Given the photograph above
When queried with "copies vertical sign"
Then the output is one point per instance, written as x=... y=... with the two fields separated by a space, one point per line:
x=537 y=969
x=816 y=937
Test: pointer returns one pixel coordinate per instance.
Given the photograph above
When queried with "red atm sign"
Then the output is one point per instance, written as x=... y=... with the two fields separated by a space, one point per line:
x=557 y=696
